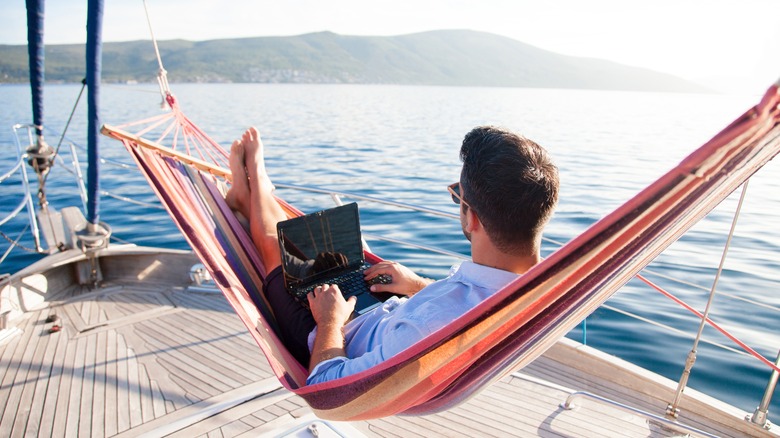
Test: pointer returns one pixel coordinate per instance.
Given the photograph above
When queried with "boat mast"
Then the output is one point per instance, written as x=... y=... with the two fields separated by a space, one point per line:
x=36 y=56
x=97 y=234
x=41 y=155
x=94 y=56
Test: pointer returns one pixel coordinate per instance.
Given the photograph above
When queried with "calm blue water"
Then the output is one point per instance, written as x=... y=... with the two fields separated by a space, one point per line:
x=402 y=142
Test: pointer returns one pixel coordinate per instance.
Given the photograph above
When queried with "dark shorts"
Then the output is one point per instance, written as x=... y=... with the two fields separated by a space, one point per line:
x=295 y=321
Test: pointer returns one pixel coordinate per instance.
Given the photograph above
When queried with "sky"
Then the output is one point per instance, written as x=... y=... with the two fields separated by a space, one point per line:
x=732 y=46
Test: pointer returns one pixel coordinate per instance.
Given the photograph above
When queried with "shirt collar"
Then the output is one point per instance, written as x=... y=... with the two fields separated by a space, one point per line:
x=482 y=276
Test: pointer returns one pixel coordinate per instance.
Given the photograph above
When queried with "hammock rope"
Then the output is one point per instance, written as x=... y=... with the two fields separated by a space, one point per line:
x=162 y=74
x=506 y=331
x=173 y=128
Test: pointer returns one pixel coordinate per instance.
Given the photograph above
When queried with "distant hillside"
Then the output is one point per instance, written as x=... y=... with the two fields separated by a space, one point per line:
x=446 y=57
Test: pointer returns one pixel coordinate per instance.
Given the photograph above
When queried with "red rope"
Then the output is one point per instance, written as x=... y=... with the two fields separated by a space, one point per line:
x=744 y=346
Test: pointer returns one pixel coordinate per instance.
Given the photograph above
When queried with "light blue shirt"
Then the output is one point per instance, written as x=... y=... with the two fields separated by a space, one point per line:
x=401 y=322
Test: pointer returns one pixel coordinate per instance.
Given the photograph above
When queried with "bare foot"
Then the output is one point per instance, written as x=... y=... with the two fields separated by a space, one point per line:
x=255 y=191
x=255 y=161
x=237 y=197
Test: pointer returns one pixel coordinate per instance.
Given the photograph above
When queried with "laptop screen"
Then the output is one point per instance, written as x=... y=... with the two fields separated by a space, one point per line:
x=320 y=244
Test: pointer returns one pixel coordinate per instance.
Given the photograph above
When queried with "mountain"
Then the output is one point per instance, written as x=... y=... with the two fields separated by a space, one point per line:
x=445 y=57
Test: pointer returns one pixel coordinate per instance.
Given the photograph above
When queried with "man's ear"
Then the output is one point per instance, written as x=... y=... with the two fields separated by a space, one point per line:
x=472 y=221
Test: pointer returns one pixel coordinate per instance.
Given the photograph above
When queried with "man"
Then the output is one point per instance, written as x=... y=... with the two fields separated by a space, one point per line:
x=507 y=191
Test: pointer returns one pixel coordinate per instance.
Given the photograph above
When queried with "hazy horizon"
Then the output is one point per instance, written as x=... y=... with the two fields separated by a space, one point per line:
x=718 y=44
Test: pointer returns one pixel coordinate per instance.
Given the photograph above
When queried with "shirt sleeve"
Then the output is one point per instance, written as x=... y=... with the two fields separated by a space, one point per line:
x=401 y=336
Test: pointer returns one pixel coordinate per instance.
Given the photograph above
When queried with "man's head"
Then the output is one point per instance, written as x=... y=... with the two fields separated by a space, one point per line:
x=511 y=184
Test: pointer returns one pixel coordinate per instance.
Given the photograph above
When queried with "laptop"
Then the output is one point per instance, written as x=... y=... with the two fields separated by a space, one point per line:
x=326 y=247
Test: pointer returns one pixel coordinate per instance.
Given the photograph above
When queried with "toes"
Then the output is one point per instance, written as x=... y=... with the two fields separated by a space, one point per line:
x=236 y=156
x=237 y=149
x=249 y=135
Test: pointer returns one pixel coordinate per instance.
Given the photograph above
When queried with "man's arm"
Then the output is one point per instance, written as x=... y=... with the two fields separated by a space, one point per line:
x=404 y=281
x=400 y=336
x=331 y=311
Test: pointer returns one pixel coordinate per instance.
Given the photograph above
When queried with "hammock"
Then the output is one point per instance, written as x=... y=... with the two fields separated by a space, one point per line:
x=503 y=333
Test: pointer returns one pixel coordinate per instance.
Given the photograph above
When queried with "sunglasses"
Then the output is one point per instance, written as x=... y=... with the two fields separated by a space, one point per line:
x=457 y=198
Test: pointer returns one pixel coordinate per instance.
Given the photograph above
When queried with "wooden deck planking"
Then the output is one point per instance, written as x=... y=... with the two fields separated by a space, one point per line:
x=48 y=376
x=84 y=374
x=29 y=371
x=16 y=365
x=416 y=426
x=613 y=391
x=87 y=386
x=242 y=411
x=469 y=426
x=585 y=417
x=563 y=375
x=133 y=303
x=211 y=302
x=95 y=312
x=171 y=396
x=199 y=354
x=229 y=327
x=512 y=414
x=31 y=377
x=432 y=425
x=158 y=401
x=241 y=349
x=54 y=383
x=60 y=408
x=160 y=350
x=252 y=421
x=234 y=428
x=120 y=378
x=193 y=391
x=534 y=407
x=111 y=421
x=450 y=424
x=233 y=355
x=186 y=362
x=99 y=393
x=73 y=402
x=147 y=399
x=123 y=386
x=133 y=389
x=391 y=427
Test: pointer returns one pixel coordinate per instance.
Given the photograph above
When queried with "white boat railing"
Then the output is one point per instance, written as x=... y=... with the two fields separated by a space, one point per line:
x=20 y=169
x=26 y=199
x=676 y=426
x=761 y=414
x=24 y=139
x=73 y=167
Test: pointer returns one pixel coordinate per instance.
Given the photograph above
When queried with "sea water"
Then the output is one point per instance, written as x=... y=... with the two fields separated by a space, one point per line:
x=401 y=143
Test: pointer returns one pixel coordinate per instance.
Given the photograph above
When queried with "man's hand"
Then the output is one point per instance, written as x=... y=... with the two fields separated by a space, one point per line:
x=331 y=311
x=405 y=282
x=328 y=306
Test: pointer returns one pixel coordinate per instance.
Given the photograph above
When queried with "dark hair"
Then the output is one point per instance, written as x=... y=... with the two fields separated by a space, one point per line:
x=511 y=183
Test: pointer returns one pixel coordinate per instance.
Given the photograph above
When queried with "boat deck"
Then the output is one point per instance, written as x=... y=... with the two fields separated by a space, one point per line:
x=161 y=360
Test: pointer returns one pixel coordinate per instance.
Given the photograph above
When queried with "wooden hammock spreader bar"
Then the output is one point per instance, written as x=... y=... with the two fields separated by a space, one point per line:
x=119 y=134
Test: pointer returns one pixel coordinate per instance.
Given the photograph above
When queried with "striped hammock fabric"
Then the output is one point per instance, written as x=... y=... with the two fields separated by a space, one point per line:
x=503 y=333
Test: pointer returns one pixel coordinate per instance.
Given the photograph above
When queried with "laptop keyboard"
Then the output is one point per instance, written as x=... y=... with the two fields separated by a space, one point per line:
x=350 y=283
